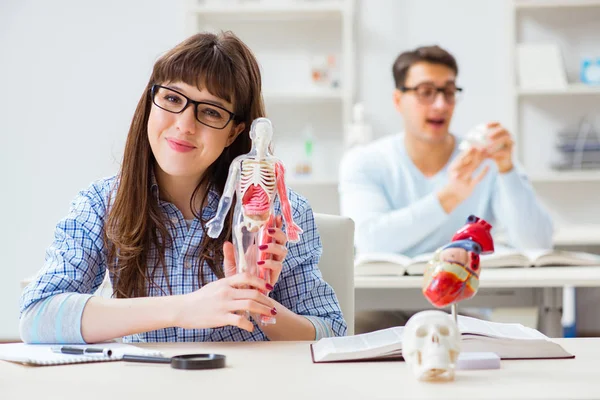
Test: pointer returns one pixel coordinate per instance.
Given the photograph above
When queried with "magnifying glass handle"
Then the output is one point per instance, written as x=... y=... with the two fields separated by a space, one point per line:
x=146 y=359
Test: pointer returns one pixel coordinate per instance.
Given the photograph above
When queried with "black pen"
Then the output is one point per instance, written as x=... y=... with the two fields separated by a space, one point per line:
x=93 y=351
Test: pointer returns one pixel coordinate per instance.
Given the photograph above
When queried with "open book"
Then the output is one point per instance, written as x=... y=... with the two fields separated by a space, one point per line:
x=396 y=264
x=508 y=341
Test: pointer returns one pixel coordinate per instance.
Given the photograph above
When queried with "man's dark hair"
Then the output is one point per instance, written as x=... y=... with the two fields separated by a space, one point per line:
x=428 y=54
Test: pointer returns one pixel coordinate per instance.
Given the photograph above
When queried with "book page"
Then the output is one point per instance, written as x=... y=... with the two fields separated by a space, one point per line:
x=359 y=346
x=474 y=326
x=420 y=261
x=562 y=258
x=371 y=340
x=505 y=257
x=367 y=258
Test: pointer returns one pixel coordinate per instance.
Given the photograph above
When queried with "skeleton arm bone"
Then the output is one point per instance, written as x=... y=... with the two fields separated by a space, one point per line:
x=215 y=225
x=293 y=231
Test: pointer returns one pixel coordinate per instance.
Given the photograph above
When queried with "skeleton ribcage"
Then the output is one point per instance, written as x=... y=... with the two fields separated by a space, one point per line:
x=260 y=173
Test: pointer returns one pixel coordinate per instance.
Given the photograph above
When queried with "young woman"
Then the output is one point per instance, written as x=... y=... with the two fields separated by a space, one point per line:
x=146 y=226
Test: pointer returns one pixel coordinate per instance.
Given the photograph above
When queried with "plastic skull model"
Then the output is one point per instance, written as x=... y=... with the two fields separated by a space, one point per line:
x=431 y=345
x=476 y=137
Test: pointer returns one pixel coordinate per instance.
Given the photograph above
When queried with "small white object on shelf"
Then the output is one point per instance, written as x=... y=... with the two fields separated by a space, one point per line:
x=358 y=132
x=540 y=66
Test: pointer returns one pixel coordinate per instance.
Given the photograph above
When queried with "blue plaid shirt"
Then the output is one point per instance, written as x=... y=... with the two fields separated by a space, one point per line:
x=76 y=262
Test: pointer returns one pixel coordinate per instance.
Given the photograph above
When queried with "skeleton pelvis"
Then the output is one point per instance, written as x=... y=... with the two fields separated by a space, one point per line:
x=253 y=222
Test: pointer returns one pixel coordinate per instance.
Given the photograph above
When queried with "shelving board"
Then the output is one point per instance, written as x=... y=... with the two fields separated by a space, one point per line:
x=567 y=176
x=304 y=96
x=572 y=89
x=555 y=4
x=269 y=10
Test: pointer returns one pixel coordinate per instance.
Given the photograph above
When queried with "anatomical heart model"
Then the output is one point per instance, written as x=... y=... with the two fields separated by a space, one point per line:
x=453 y=273
x=256 y=178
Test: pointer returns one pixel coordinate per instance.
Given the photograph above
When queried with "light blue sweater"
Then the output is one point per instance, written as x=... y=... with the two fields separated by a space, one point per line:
x=396 y=209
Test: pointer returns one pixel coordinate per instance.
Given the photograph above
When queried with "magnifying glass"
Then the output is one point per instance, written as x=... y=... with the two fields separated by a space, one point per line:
x=184 y=361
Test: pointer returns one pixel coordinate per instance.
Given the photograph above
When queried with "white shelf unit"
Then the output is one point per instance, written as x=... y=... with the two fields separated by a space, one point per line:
x=539 y=115
x=287 y=36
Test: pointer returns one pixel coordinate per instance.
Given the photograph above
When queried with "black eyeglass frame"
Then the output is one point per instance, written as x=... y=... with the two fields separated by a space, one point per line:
x=441 y=90
x=154 y=90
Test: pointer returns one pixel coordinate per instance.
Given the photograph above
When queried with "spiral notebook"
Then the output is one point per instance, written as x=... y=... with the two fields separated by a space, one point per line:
x=41 y=354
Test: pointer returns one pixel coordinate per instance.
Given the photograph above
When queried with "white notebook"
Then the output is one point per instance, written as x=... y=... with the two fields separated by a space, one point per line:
x=42 y=354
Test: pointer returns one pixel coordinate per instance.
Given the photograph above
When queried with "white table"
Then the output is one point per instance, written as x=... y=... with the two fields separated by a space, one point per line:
x=285 y=370
x=512 y=287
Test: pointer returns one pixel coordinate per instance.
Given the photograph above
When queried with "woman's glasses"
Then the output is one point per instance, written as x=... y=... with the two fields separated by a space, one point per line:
x=207 y=114
x=427 y=92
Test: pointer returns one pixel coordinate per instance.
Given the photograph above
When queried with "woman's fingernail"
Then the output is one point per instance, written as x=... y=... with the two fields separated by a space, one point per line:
x=260 y=262
x=263 y=247
x=271 y=230
x=268 y=286
x=274 y=311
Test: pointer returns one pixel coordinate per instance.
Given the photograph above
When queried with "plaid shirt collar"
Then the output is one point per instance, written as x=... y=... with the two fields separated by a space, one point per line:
x=213 y=194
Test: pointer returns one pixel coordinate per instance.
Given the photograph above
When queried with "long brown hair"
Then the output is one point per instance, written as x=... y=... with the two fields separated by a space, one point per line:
x=135 y=225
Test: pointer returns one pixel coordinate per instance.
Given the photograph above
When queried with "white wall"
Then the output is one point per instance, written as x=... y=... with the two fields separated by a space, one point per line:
x=73 y=72
x=474 y=31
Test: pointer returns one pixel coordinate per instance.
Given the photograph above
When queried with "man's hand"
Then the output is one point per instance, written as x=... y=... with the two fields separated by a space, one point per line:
x=461 y=180
x=500 y=147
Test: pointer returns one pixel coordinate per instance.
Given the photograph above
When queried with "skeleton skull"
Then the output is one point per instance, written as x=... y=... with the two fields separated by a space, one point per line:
x=431 y=345
x=476 y=137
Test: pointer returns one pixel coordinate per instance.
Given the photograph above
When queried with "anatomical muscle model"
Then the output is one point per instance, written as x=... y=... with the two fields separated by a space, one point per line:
x=256 y=178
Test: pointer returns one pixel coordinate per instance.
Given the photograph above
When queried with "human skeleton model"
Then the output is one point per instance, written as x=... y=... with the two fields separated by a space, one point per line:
x=256 y=178
x=453 y=273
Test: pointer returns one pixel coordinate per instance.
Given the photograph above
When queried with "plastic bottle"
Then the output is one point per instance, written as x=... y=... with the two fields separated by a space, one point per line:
x=358 y=132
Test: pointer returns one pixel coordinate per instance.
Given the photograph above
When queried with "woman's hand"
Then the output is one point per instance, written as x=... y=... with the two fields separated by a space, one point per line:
x=223 y=302
x=274 y=252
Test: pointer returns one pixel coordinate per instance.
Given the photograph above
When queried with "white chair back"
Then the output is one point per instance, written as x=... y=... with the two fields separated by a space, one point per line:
x=337 y=261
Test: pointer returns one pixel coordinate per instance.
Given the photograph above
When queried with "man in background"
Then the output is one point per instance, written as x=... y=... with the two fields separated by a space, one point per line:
x=409 y=192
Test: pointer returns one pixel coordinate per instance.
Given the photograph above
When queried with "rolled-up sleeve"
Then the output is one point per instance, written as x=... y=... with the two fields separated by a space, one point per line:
x=301 y=287
x=74 y=265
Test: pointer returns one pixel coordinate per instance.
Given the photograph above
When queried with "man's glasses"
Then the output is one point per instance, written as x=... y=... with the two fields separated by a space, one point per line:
x=206 y=113
x=427 y=92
